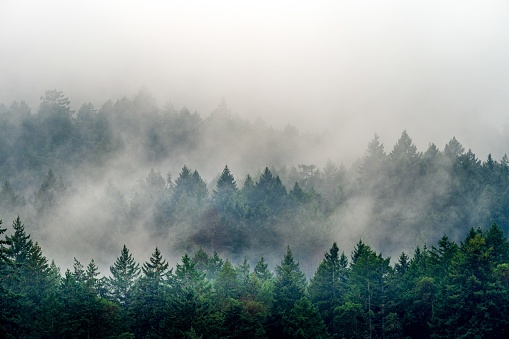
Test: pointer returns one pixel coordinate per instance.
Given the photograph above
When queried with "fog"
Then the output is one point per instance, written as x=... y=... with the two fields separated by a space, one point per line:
x=336 y=70
x=348 y=69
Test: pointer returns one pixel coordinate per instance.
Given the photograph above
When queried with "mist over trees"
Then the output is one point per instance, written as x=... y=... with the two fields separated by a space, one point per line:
x=60 y=167
x=235 y=195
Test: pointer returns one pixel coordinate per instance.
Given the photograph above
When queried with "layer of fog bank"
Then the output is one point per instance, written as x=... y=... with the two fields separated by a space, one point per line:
x=348 y=69
x=338 y=71
x=87 y=224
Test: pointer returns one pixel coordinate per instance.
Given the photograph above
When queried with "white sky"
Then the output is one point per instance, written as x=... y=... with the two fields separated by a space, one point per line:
x=350 y=68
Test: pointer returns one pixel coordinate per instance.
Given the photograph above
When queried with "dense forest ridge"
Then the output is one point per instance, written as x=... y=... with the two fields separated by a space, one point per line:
x=88 y=163
x=447 y=291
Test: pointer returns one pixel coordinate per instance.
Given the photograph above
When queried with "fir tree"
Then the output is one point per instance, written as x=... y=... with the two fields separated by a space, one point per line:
x=304 y=321
x=223 y=195
x=328 y=286
x=124 y=273
x=289 y=287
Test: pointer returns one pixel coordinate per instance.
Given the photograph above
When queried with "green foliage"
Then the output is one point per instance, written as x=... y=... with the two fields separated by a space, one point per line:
x=150 y=301
x=448 y=291
x=189 y=308
x=261 y=270
x=304 y=321
x=327 y=288
x=289 y=287
x=368 y=280
x=443 y=290
x=124 y=273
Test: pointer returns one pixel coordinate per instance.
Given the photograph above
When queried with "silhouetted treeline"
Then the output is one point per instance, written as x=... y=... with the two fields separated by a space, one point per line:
x=448 y=291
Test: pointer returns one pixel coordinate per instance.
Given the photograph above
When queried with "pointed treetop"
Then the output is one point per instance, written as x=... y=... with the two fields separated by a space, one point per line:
x=404 y=148
x=156 y=267
x=261 y=270
x=248 y=183
x=226 y=180
x=375 y=147
x=453 y=149
x=20 y=243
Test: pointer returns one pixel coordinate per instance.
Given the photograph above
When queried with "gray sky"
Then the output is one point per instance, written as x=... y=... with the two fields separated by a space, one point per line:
x=349 y=68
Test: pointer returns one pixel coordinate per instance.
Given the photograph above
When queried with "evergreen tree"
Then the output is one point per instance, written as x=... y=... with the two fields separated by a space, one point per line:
x=27 y=281
x=402 y=265
x=9 y=301
x=453 y=149
x=189 y=306
x=328 y=286
x=20 y=244
x=92 y=282
x=498 y=243
x=304 y=321
x=368 y=277
x=269 y=190
x=416 y=293
x=4 y=252
x=150 y=302
x=223 y=196
x=289 y=287
x=373 y=165
x=124 y=274
x=465 y=309
x=298 y=196
x=83 y=313
x=226 y=284
x=261 y=270
x=404 y=165
x=248 y=191
x=155 y=269
x=404 y=152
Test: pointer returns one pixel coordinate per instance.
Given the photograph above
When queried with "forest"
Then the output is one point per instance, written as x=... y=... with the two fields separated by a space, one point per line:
x=448 y=291
x=424 y=232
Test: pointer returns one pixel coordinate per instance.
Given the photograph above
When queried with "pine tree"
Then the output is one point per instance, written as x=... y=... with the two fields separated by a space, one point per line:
x=190 y=302
x=304 y=321
x=20 y=243
x=373 y=166
x=27 y=280
x=150 y=302
x=4 y=252
x=223 y=196
x=248 y=191
x=124 y=273
x=226 y=284
x=499 y=244
x=9 y=301
x=261 y=270
x=368 y=286
x=189 y=197
x=269 y=190
x=289 y=287
x=405 y=152
x=298 y=196
x=156 y=268
x=466 y=309
x=328 y=286
x=402 y=265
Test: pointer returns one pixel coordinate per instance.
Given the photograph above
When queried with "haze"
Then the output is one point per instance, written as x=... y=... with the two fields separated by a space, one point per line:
x=348 y=68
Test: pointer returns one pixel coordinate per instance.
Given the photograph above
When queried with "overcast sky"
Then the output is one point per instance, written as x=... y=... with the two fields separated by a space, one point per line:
x=350 y=68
